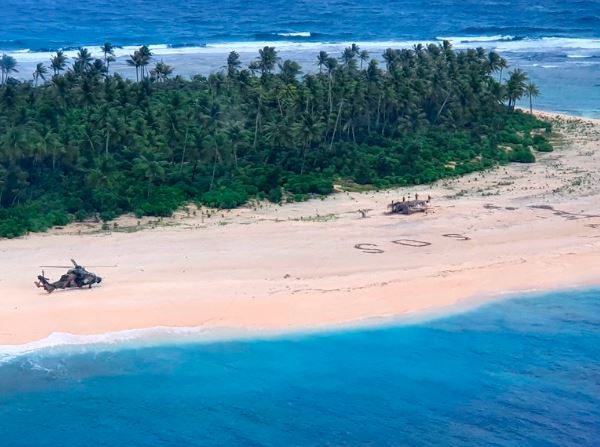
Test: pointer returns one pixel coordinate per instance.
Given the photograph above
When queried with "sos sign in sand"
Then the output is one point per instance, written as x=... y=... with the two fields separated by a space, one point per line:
x=374 y=248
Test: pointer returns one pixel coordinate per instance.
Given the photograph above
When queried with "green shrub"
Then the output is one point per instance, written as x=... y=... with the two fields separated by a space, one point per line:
x=541 y=144
x=224 y=198
x=522 y=155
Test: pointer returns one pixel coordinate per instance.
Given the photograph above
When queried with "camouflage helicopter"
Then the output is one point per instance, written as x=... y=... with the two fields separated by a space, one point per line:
x=77 y=276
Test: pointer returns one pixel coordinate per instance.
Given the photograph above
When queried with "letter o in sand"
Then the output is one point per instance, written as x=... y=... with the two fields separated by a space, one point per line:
x=459 y=237
x=365 y=248
x=411 y=243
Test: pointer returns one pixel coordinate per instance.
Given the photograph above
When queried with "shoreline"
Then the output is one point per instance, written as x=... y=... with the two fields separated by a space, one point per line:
x=270 y=268
x=58 y=343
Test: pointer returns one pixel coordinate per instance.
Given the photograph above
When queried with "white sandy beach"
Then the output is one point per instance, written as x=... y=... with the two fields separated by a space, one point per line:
x=270 y=267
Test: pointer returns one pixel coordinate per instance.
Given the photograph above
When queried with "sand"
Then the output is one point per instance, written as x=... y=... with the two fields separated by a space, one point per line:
x=291 y=267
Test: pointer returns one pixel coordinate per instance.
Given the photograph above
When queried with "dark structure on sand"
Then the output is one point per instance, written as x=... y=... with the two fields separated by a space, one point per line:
x=408 y=207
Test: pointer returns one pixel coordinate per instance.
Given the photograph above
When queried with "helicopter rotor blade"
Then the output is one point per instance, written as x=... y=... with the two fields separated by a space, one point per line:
x=70 y=266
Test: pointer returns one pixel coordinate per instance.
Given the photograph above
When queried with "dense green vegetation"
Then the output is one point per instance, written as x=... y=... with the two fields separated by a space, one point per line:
x=84 y=142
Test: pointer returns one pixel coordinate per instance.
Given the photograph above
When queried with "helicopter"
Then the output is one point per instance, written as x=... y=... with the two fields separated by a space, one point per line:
x=76 y=277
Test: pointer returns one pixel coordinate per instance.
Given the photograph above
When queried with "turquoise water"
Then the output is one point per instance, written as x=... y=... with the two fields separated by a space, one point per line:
x=520 y=372
x=556 y=41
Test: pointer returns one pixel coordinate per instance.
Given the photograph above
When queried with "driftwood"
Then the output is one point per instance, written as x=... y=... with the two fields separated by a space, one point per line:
x=363 y=212
x=460 y=237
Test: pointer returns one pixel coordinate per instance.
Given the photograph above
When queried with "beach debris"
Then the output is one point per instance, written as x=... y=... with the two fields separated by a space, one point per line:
x=365 y=248
x=489 y=206
x=411 y=243
x=409 y=206
x=459 y=237
x=564 y=214
x=363 y=212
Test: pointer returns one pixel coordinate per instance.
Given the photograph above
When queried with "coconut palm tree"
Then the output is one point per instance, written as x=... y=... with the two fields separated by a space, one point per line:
x=390 y=57
x=161 y=71
x=233 y=64
x=364 y=57
x=58 y=62
x=347 y=55
x=267 y=59
x=40 y=72
x=135 y=61
x=289 y=71
x=502 y=64
x=140 y=60
x=322 y=60
x=145 y=58
x=532 y=91
x=150 y=169
x=83 y=61
x=515 y=87
x=8 y=65
x=109 y=54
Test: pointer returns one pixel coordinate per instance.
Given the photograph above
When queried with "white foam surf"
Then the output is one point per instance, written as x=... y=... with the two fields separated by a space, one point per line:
x=576 y=47
x=296 y=34
x=59 y=342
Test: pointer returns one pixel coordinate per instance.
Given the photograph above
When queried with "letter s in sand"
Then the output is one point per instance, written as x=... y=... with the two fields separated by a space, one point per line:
x=365 y=249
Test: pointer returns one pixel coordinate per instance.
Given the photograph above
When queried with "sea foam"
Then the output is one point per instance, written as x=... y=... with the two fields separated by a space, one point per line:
x=497 y=42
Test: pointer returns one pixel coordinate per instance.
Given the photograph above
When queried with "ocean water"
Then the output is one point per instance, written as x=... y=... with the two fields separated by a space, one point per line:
x=556 y=41
x=519 y=372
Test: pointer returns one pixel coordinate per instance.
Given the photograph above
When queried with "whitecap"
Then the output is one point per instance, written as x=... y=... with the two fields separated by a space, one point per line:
x=296 y=34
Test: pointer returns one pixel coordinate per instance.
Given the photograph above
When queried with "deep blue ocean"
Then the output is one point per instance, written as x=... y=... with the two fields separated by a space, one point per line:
x=519 y=372
x=556 y=41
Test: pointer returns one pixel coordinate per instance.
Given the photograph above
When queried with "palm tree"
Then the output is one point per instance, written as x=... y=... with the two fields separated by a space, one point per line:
x=150 y=169
x=58 y=62
x=307 y=132
x=233 y=64
x=109 y=54
x=502 y=64
x=267 y=59
x=364 y=57
x=83 y=61
x=532 y=91
x=161 y=71
x=494 y=61
x=322 y=60
x=390 y=57
x=347 y=55
x=140 y=59
x=7 y=66
x=515 y=87
x=145 y=58
x=135 y=61
x=40 y=72
x=330 y=64
x=289 y=71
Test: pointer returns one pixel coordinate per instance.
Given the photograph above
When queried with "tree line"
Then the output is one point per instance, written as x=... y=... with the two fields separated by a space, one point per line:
x=83 y=141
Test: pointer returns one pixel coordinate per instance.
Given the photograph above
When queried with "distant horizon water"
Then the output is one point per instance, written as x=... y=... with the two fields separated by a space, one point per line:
x=556 y=42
